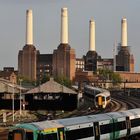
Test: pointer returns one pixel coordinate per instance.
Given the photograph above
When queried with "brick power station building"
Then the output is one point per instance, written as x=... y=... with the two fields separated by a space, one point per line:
x=33 y=65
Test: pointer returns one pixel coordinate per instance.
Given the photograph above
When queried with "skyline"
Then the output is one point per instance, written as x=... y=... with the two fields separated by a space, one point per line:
x=46 y=26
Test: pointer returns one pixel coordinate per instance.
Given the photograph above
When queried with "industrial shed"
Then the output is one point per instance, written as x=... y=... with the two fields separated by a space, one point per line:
x=51 y=96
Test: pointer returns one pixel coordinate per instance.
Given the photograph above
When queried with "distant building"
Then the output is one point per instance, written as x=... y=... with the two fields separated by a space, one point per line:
x=7 y=72
x=105 y=63
x=44 y=65
x=132 y=63
x=64 y=56
x=80 y=64
x=27 y=57
x=124 y=59
x=64 y=61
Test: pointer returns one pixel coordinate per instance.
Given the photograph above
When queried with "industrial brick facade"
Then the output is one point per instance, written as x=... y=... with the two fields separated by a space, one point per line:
x=64 y=61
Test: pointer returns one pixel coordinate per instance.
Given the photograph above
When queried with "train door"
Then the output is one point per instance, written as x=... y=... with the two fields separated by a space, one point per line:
x=17 y=134
x=100 y=101
x=128 y=126
x=10 y=134
x=61 y=134
x=96 y=131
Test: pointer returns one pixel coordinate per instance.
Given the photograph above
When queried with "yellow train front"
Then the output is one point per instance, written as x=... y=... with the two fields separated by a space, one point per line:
x=102 y=100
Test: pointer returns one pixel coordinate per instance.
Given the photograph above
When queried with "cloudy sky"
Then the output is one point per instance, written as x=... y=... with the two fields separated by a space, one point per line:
x=46 y=16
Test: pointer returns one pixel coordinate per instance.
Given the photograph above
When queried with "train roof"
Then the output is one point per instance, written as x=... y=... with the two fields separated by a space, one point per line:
x=106 y=93
x=130 y=113
x=83 y=119
x=95 y=88
x=41 y=126
x=52 y=125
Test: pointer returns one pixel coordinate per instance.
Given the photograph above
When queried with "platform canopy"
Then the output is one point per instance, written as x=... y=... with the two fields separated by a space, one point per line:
x=7 y=87
x=51 y=87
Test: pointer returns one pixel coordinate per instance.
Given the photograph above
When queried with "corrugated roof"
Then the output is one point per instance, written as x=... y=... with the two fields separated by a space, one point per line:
x=7 y=86
x=51 y=87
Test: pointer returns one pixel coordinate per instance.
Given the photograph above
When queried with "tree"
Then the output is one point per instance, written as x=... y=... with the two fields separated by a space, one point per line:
x=63 y=81
x=106 y=74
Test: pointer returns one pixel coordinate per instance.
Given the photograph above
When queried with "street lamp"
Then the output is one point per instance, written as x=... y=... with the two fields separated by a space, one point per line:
x=20 y=80
x=13 y=102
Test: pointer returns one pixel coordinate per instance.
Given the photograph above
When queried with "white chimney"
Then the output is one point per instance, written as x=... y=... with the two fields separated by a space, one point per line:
x=64 y=26
x=29 y=27
x=91 y=35
x=124 y=32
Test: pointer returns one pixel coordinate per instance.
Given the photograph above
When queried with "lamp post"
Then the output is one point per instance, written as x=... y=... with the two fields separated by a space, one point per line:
x=20 y=80
x=13 y=102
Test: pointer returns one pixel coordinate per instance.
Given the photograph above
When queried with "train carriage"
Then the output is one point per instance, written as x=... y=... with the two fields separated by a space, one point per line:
x=107 y=126
x=45 y=130
x=133 y=120
x=99 y=97
x=102 y=99
x=86 y=127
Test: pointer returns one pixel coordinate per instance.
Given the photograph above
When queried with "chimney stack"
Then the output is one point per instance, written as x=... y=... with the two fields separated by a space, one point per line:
x=29 y=27
x=91 y=35
x=124 y=32
x=64 y=26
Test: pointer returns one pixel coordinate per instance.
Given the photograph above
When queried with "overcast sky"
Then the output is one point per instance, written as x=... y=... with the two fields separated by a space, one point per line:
x=46 y=16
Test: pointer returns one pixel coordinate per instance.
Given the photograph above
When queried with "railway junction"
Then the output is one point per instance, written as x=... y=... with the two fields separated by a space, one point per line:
x=120 y=101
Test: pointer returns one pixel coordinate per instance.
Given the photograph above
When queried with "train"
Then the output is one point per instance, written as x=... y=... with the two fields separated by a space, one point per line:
x=99 y=97
x=107 y=126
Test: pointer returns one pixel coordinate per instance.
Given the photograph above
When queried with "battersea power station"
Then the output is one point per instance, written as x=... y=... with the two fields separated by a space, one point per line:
x=33 y=65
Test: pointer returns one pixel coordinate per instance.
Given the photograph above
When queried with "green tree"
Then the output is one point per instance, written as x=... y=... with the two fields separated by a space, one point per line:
x=106 y=74
x=45 y=79
x=63 y=81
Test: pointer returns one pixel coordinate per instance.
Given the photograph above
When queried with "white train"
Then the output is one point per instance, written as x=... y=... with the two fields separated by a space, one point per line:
x=108 y=126
x=98 y=96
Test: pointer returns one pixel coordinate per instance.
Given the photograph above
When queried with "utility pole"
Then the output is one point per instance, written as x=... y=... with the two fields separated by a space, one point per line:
x=20 y=80
x=13 y=99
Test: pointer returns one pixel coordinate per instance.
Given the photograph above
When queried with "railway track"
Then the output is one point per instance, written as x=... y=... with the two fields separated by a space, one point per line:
x=119 y=102
x=130 y=101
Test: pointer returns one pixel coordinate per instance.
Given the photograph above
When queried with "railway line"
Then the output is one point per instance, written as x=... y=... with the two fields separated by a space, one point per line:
x=119 y=102
x=130 y=101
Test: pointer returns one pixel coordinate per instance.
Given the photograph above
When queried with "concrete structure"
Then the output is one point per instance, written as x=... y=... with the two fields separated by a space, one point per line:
x=124 y=32
x=91 y=35
x=91 y=56
x=28 y=56
x=64 y=55
x=124 y=59
x=64 y=26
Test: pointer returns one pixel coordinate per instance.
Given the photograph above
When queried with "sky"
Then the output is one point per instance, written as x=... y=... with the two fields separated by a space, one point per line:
x=46 y=26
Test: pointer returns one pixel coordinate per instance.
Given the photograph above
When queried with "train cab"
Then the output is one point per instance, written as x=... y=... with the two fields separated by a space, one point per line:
x=46 y=130
x=102 y=100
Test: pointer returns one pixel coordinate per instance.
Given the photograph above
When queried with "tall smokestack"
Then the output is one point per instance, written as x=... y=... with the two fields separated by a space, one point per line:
x=92 y=35
x=124 y=32
x=64 y=26
x=29 y=27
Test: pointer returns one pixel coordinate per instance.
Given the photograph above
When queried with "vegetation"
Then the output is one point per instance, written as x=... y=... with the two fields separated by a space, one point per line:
x=106 y=74
x=63 y=81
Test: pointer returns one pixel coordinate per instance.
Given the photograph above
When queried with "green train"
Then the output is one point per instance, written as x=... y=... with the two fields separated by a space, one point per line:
x=108 y=126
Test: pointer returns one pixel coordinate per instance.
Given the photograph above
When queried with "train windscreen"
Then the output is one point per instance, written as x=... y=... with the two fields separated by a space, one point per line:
x=17 y=136
x=51 y=136
x=29 y=135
